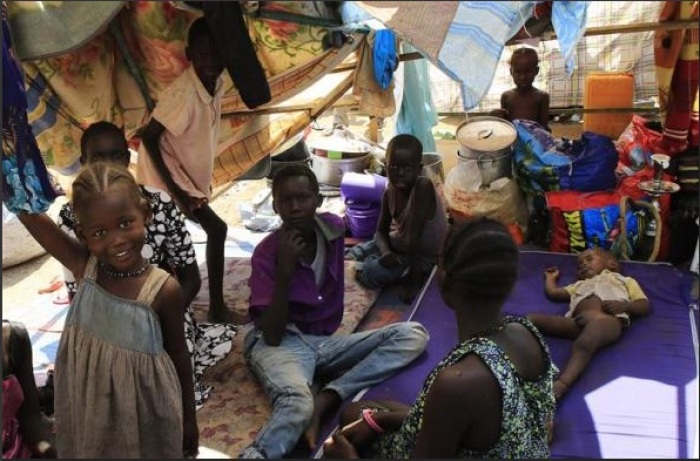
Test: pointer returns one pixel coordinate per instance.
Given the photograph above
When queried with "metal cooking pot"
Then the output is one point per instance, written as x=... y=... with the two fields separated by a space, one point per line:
x=292 y=150
x=488 y=140
x=330 y=171
x=433 y=169
x=337 y=153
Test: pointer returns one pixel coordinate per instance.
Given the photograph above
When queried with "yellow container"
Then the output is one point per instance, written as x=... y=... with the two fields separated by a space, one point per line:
x=608 y=90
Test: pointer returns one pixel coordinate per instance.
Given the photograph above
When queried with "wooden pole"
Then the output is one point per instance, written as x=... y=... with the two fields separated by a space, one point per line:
x=402 y=57
x=350 y=102
x=625 y=29
x=570 y=110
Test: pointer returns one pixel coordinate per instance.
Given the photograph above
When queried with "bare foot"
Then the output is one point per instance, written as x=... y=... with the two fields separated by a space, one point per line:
x=560 y=388
x=324 y=402
x=223 y=315
x=311 y=433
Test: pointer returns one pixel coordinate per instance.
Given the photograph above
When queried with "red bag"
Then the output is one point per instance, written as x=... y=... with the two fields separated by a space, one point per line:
x=581 y=220
x=636 y=145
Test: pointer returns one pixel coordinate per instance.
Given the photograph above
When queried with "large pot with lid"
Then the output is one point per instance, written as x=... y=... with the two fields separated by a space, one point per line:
x=336 y=153
x=488 y=142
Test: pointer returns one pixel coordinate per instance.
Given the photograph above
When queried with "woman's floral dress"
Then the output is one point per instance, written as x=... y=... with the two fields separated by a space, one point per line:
x=528 y=406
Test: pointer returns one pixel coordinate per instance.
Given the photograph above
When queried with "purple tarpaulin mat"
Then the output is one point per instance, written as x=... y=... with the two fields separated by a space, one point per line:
x=637 y=399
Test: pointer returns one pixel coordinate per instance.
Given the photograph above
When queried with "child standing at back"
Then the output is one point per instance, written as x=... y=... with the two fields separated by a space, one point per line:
x=601 y=303
x=525 y=101
x=123 y=379
x=411 y=226
x=178 y=149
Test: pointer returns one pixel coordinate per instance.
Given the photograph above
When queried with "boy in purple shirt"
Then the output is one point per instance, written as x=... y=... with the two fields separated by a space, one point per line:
x=296 y=302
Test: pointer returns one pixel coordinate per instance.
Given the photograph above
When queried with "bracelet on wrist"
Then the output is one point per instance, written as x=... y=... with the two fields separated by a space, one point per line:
x=368 y=417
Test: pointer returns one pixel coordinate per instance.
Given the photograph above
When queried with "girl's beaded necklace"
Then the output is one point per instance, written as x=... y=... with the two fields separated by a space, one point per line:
x=120 y=275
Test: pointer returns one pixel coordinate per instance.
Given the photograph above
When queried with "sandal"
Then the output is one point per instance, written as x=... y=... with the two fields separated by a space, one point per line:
x=53 y=285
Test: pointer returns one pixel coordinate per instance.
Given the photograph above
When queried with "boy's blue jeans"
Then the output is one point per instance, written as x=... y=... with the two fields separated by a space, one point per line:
x=351 y=362
x=370 y=272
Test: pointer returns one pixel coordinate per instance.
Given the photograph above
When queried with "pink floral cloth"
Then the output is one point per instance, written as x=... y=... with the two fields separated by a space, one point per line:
x=13 y=447
x=93 y=82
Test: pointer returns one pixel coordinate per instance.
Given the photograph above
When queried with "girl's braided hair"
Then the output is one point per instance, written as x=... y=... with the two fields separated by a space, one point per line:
x=97 y=178
x=480 y=259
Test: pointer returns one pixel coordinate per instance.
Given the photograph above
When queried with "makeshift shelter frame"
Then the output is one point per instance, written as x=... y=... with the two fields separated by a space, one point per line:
x=604 y=30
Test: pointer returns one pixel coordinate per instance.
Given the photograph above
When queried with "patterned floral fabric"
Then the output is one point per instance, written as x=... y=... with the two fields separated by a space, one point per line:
x=70 y=91
x=527 y=406
x=25 y=182
x=208 y=344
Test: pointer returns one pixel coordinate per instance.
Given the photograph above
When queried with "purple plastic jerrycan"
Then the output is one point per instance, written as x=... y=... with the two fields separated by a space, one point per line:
x=361 y=219
x=362 y=187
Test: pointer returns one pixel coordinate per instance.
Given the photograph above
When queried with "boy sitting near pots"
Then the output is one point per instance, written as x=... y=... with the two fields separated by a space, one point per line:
x=411 y=226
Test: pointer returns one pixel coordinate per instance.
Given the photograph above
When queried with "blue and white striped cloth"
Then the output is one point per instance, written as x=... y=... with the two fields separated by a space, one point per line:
x=475 y=41
x=476 y=35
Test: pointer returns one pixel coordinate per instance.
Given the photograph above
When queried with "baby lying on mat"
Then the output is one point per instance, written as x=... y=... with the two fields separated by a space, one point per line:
x=600 y=305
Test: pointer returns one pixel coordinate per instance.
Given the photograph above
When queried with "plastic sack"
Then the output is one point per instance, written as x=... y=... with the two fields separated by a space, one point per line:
x=18 y=245
x=502 y=201
x=636 y=145
x=545 y=163
x=585 y=220
x=465 y=176
x=582 y=220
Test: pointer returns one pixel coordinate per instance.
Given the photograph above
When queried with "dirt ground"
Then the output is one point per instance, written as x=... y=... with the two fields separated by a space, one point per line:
x=22 y=281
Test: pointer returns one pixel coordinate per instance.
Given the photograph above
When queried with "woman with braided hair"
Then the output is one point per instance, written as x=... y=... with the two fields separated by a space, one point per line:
x=491 y=395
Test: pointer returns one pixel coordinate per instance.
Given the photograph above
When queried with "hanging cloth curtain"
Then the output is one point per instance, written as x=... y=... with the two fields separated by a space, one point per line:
x=230 y=35
x=417 y=115
x=25 y=181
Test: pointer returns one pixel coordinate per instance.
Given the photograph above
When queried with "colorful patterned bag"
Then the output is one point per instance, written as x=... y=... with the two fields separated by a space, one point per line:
x=581 y=220
x=545 y=163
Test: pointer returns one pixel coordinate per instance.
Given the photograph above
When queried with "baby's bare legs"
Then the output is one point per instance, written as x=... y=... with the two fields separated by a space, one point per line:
x=590 y=331
x=598 y=331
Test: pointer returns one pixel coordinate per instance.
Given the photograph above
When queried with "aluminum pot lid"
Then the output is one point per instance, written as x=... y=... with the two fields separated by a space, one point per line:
x=486 y=134
x=336 y=141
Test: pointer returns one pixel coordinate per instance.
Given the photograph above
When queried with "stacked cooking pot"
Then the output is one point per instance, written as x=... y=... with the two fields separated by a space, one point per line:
x=336 y=153
x=481 y=183
x=488 y=143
